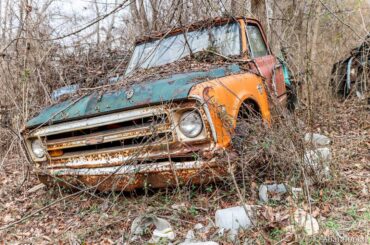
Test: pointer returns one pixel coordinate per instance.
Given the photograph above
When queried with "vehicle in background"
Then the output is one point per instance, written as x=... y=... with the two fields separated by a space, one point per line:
x=352 y=74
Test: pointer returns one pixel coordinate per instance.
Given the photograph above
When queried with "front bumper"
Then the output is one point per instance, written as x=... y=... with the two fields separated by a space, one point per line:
x=130 y=177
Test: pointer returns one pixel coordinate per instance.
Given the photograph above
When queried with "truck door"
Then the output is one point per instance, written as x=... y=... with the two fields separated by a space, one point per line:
x=267 y=64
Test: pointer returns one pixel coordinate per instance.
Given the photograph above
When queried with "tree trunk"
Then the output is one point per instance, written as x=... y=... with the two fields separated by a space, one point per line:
x=97 y=31
x=269 y=16
x=154 y=5
x=143 y=16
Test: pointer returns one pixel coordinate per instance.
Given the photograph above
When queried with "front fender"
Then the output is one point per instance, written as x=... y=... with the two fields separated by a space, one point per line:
x=224 y=97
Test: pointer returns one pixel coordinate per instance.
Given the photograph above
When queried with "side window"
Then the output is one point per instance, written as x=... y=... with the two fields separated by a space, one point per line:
x=257 y=44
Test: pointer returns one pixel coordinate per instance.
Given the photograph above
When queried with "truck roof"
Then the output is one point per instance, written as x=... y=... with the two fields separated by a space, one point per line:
x=189 y=27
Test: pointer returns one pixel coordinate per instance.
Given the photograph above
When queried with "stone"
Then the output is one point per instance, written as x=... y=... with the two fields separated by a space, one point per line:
x=235 y=218
x=317 y=139
x=306 y=221
x=267 y=191
x=199 y=243
x=319 y=160
x=163 y=229
x=297 y=191
x=198 y=226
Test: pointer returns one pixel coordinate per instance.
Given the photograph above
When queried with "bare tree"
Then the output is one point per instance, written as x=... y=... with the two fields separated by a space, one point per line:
x=139 y=15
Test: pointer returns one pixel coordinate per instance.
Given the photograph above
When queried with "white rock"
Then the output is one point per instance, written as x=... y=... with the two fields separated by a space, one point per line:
x=317 y=139
x=190 y=236
x=265 y=191
x=235 y=218
x=179 y=207
x=164 y=233
x=199 y=243
x=317 y=157
x=318 y=160
x=306 y=221
x=198 y=226
x=163 y=228
x=296 y=191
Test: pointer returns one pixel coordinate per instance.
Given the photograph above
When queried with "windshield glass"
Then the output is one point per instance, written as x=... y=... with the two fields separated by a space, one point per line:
x=224 y=39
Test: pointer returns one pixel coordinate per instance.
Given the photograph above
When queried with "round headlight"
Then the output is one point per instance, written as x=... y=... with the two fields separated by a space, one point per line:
x=38 y=149
x=191 y=124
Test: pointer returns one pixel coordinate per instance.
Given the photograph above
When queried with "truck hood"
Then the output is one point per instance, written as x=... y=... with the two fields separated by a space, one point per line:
x=172 y=88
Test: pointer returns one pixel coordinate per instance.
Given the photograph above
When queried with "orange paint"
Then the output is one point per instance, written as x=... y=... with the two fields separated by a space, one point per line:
x=229 y=93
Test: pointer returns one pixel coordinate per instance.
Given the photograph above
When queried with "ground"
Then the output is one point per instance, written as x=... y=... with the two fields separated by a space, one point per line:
x=341 y=205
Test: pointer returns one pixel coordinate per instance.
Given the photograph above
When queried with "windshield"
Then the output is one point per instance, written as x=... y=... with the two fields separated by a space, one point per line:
x=224 y=39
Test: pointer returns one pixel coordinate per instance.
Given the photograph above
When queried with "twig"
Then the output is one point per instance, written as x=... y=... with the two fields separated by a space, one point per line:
x=340 y=20
x=38 y=211
x=241 y=198
x=122 y=5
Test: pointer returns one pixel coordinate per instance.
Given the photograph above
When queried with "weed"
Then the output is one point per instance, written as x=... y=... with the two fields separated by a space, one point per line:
x=193 y=211
x=276 y=234
x=352 y=211
x=332 y=224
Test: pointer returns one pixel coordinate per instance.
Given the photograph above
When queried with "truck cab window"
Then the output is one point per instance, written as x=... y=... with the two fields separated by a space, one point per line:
x=257 y=44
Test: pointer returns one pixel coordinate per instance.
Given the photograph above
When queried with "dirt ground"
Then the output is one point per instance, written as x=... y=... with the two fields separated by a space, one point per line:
x=342 y=206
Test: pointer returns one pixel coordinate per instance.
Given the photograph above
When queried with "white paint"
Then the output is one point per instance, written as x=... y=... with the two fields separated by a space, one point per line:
x=132 y=169
x=97 y=121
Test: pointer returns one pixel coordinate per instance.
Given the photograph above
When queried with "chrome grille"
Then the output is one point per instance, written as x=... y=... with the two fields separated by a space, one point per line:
x=124 y=130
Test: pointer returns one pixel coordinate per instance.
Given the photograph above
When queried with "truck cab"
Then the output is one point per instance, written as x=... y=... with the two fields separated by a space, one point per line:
x=168 y=119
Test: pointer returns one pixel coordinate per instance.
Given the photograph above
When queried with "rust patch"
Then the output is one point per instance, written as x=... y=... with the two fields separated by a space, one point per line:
x=140 y=180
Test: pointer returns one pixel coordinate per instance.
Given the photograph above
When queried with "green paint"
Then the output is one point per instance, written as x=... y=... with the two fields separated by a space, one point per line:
x=175 y=87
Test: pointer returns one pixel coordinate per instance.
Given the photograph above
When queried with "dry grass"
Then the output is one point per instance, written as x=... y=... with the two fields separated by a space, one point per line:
x=340 y=205
x=265 y=153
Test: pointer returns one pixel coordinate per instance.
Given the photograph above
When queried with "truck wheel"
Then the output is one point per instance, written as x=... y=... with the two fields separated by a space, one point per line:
x=249 y=117
x=292 y=99
x=338 y=80
x=361 y=82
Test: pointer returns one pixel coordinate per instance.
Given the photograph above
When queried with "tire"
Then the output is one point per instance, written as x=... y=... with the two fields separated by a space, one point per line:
x=292 y=99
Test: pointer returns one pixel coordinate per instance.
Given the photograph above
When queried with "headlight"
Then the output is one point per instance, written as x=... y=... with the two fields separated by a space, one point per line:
x=191 y=124
x=38 y=149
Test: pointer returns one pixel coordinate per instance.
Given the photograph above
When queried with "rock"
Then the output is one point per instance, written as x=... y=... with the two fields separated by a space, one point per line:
x=318 y=155
x=235 y=218
x=268 y=191
x=36 y=188
x=190 y=236
x=198 y=226
x=179 y=207
x=317 y=139
x=199 y=243
x=318 y=160
x=306 y=221
x=163 y=229
x=296 y=192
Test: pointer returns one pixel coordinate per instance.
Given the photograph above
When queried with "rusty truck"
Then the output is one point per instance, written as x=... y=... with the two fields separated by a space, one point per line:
x=351 y=75
x=163 y=128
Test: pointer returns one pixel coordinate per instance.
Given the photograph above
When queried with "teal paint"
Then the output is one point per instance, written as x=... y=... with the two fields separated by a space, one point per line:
x=285 y=71
x=286 y=75
x=175 y=87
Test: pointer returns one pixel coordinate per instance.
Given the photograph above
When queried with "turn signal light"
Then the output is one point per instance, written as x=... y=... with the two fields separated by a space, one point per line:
x=56 y=153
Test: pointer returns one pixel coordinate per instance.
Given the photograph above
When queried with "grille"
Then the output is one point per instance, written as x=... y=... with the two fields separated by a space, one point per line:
x=144 y=129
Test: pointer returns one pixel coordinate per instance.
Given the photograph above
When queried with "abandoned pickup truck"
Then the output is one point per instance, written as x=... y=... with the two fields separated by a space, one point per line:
x=169 y=128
